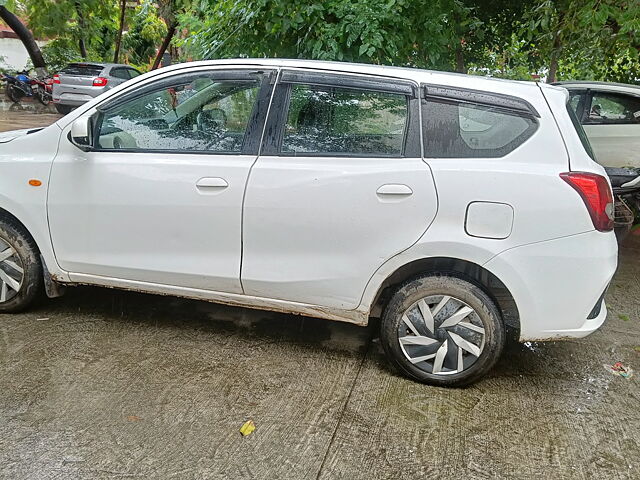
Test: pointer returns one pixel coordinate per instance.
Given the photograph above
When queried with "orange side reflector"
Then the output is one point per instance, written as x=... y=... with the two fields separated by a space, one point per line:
x=35 y=183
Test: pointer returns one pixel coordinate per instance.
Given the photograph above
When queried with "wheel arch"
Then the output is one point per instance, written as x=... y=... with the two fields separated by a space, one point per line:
x=6 y=215
x=463 y=269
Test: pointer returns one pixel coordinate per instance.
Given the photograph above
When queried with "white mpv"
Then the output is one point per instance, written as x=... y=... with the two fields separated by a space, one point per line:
x=451 y=206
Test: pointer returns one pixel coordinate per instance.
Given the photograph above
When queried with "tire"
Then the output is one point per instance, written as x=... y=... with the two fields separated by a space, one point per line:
x=14 y=93
x=22 y=267
x=43 y=97
x=63 y=109
x=434 y=348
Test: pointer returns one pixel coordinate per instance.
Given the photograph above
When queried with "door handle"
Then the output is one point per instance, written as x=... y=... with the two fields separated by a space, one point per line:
x=212 y=182
x=394 y=189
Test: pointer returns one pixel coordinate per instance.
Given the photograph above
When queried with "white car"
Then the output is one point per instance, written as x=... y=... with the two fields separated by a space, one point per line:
x=451 y=205
x=610 y=115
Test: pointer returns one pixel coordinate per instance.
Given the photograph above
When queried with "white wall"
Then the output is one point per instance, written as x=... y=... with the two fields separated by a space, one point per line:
x=14 y=53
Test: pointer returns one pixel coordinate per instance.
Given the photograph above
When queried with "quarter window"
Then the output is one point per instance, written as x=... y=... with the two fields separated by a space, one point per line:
x=454 y=129
x=613 y=108
x=344 y=121
x=200 y=114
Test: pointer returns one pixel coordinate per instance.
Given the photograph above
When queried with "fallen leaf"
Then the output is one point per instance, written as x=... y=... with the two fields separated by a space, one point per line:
x=133 y=418
x=247 y=428
x=623 y=317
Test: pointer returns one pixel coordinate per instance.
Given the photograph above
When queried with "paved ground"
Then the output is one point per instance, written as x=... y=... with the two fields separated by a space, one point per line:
x=103 y=384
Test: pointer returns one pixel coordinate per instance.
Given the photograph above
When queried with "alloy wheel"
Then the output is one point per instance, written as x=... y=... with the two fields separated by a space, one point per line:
x=11 y=271
x=441 y=335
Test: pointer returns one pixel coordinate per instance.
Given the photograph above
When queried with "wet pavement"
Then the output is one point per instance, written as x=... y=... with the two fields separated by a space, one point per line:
x=26 y=114
x=104 y=384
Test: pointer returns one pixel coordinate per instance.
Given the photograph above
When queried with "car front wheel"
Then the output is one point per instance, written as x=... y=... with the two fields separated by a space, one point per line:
x=442 y=330
x=20 y=268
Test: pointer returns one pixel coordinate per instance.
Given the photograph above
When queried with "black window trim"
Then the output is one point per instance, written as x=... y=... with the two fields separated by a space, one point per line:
x=498 y=101
x=501 y=103
x=253 y=132
x=272 y=142
x=589 y=101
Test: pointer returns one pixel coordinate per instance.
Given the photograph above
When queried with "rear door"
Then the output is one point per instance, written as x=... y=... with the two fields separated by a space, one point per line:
x=340 y=187
x=612 y=123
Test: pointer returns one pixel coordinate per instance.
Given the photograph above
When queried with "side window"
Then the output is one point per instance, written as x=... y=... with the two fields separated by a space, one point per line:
x=133 y=73
x=463 y=129
x=344 y=121
x=195 y=114
x=120 y=73
x=613 y=108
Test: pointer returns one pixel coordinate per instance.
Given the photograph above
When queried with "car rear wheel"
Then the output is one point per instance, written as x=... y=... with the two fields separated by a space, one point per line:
x=20 y=268
x=442 y=330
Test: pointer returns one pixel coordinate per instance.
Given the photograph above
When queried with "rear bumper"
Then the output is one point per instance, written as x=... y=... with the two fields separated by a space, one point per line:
x=72 y=99
x=556 y=283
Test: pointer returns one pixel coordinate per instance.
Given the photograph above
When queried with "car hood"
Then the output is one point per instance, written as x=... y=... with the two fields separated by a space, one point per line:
x=13 y=134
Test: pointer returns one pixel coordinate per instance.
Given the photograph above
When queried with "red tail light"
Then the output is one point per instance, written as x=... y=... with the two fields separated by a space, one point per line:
x=596 y=193
x=99 y=82
x=56 y=78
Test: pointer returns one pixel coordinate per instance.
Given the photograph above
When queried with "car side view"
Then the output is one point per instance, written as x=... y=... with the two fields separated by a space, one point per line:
x=450 y=206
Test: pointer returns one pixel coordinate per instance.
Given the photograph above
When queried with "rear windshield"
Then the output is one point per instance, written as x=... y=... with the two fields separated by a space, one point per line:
x=580 y=131
x=82 y=69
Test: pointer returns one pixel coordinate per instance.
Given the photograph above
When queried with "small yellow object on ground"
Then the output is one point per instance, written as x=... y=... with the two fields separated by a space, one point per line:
x=247 y=428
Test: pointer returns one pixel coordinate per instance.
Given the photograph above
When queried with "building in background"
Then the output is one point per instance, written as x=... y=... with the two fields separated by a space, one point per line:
x=13 y=55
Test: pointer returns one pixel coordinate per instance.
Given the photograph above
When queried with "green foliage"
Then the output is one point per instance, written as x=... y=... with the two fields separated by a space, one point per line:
x=146 y=31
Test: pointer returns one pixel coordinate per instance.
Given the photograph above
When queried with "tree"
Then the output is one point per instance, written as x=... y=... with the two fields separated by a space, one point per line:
x=25 y=35
x=170 y=11
x=123 y=9
x=588 y=38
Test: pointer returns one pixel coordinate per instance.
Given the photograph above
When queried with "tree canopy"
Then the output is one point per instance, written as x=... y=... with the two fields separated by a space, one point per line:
x=555 y=39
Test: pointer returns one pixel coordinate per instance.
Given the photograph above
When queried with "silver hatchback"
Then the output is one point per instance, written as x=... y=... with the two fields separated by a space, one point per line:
x=80 y=82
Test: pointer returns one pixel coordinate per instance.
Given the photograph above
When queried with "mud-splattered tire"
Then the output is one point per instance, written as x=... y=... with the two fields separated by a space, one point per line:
x=20 y=268
x=442 y=330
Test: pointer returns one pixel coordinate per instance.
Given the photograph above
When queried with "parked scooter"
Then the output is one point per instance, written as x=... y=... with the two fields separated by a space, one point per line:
x=625 y=183
x=18 y=86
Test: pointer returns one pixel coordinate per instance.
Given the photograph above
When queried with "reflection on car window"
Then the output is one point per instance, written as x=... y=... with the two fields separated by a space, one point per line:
x=338 y=121
x=613 y=108
x=201 y=115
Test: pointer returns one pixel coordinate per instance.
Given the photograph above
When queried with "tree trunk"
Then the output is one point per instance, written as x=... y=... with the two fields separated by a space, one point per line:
x=81 y=43
x=25 y=35
x=555 y=55
x=460 y=59
x=171 y=31
x=116 y=54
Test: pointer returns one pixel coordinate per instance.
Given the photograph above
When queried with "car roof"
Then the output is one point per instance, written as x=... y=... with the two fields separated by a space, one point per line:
x=609 y=86
x=100 y=64
x=415 y=74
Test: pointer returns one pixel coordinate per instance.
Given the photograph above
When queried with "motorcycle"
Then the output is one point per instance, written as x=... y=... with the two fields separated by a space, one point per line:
x=18 y=86
x=43 y=89
x=625 y=183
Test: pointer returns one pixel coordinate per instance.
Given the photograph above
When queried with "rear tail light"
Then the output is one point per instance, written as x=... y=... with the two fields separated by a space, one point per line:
x=56 y=78
x=596 y=194
x=99 y=82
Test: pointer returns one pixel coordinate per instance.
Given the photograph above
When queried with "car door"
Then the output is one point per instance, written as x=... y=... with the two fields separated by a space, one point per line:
x=339 y=188
x=612 y=123
x=158 y=197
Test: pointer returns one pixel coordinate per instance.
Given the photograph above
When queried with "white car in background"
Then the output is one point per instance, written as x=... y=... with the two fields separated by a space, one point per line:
x=610 y=116
x=450 y=205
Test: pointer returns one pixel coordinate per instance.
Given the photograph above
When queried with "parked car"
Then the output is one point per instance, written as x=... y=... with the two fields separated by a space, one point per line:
x=80 y=82
x=610 y=115
x=452 y=206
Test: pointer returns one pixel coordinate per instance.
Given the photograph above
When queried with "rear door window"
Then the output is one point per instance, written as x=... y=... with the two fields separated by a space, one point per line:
x=460 y=126
x=326 y=120
x=121 y=73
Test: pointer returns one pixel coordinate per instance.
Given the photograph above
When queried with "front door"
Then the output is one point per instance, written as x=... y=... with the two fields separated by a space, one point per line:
x=159 y=197
x=339 y=188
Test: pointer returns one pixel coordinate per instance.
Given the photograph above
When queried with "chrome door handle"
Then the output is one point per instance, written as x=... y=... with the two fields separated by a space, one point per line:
x=394 y=189
x=212 y=182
